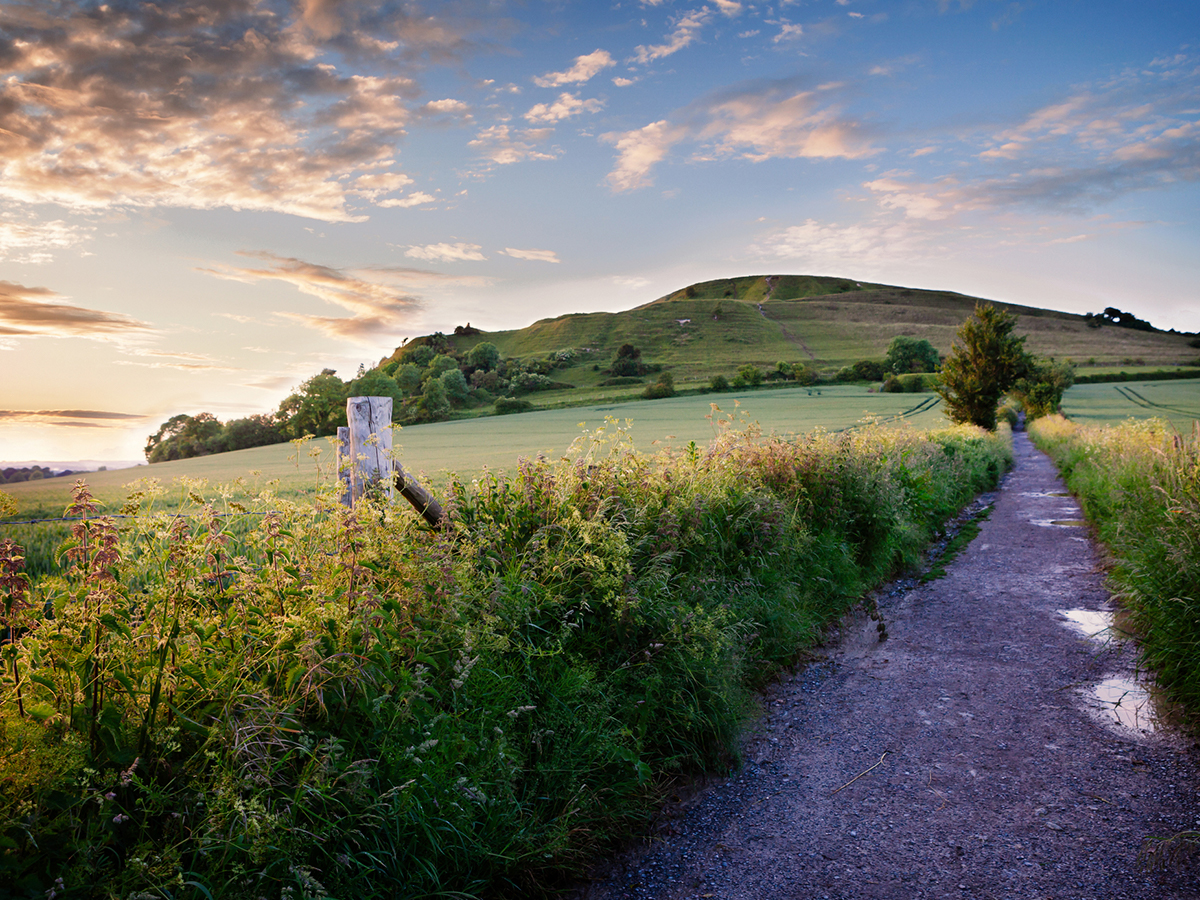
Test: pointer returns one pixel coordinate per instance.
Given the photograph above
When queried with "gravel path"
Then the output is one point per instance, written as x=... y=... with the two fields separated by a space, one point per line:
x=993 y=774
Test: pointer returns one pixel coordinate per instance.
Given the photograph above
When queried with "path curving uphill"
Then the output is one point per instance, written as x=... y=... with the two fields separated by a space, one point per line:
x=987 y=767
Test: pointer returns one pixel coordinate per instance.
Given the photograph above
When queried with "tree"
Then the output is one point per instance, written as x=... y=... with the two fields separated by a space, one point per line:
x=441 y=363
x=434 y=404
x=906 y=354
x=375 y=383
x=253 y=431
x=318 y=407
x=455 y=385
x=484 y=355
x=628 y=362
x=987 y=359
x=1041 y=390
x=408 y=378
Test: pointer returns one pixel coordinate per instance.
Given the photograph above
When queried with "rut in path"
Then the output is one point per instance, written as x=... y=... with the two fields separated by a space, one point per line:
x=991 y=777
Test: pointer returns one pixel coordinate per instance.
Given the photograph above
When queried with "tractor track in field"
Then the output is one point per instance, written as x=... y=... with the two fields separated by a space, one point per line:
x=964 y=757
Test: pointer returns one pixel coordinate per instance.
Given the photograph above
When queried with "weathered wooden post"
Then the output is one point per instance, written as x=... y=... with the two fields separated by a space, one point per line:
x=370 y=423
x=365 y=456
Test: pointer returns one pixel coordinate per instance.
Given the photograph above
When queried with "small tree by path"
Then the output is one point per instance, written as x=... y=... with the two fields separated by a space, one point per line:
x=987 y=359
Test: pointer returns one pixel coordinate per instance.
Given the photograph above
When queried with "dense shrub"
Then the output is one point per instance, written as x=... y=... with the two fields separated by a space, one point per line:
x=718 y=383
x=511 y=405
x=349 y=704
x=1139 y=484
x=664 y=387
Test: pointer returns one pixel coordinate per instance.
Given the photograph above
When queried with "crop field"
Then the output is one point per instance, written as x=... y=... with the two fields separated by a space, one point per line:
x=467 y=447
x=1177 y=402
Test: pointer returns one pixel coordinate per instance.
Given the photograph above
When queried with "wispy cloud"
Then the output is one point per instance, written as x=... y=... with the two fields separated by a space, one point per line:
x=223 y=104
x=378 y=308
x=38 y=312
x=34 y=242
x=537 y=255
x=460 y=252
x=757 y=121
x=564 y=107
x=68 y=418
x=686 y=32
x=585 y=68
x=503 y=146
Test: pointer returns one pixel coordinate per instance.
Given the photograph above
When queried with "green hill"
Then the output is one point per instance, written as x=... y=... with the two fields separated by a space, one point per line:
x=715 y=326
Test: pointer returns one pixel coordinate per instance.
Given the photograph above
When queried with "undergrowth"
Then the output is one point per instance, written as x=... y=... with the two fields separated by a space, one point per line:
x=333 y=703
x=1139 y=485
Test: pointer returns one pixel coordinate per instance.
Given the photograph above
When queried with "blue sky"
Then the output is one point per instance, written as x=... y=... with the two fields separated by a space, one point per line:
x=203 y=204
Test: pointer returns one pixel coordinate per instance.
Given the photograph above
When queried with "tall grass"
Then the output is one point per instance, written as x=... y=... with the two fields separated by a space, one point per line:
x=1139 y=484
x=351 y=704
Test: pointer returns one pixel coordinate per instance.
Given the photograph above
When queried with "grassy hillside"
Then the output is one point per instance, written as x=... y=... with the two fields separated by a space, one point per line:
x=715 y=326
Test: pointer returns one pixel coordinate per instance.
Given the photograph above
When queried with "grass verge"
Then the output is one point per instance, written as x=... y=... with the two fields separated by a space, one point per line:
x=1139 y=485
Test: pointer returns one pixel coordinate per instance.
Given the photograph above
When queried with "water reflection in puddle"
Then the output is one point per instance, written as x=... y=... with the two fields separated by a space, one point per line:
x=1091 y=623
x=1122 y=701
x=1059 y=523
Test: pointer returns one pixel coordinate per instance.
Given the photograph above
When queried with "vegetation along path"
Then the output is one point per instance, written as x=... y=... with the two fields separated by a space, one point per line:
x=987 y=765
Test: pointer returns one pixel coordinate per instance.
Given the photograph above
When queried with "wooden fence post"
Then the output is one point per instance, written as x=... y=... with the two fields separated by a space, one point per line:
x=370 y=424
x=365 y=455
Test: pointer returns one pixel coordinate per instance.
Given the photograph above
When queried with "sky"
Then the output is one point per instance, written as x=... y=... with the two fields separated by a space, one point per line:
x=202 y=204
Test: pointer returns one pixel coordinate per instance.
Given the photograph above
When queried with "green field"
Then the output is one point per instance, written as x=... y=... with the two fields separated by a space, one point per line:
x=1177 y=402
x=468 y=446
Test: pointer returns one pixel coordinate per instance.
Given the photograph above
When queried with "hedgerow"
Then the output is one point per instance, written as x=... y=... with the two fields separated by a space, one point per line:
x=338 y=703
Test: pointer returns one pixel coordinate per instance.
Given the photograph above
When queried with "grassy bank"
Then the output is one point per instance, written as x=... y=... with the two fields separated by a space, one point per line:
x=354 y=705
x=1139 y=485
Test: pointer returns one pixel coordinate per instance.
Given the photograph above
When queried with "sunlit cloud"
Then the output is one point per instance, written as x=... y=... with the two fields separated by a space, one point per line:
x=537 y=255
x=788 y=32
x=34 y=242
x=417 y=198
x=685 y=33
x=207 y=106
x=586 y=67
x=460 y=252
x=729 y=8
x=564 y=107
x=378 y=308
x=502 y=145
x=631 y=283
x=68 y=418
x=833 y=245
x=763 y=120
x=37 y=312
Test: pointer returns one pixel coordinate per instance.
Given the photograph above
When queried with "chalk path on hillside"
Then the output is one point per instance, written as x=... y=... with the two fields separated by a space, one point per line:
x=993 y=775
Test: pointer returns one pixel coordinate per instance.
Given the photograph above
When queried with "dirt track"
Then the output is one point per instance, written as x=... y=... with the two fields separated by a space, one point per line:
x=998 y=778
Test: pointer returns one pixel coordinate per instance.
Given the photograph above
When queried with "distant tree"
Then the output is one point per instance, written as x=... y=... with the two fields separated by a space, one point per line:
x=906 y=354
x=987 y=359
x=441 y=363
x=184 y=436
x=484 y=355
x=1041 y=390
x=375 y=384
x=408 y=378
x=750 y=374
x=718 y=383
x=628 y=362
x=317 y=407
x=455 y=385
x=664 y=387
x=433 y=404
x=252 y=431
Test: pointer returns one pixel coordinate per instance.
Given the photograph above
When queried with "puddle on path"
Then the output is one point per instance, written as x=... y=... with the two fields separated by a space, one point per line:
x=1059 y=523
x=1091 y=623
x=1045 y=494
x=1123 y=701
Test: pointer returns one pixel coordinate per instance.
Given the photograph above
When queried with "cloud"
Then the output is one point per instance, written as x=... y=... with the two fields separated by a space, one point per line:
x=501 y=145
x=564 y=107
x=729 y=8
x=631 y=284
x=32 y=242
x=35 y=312
x=377 y=306
x=585 y=68
x=758 y=121
x=639 y=151
x=624 y=82
x=823 y=245
x=788 y=32
x=225 y=104
x=419 y=198
x=687 y=31
x=445 y=107
x=68 y=418
x=460 y=252
x=539 y=255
